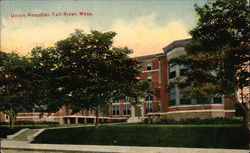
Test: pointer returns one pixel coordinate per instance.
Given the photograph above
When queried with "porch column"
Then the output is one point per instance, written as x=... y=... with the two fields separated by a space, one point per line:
x=68 y=120
x=85 y=120
x=76 y=120
x=132 y=111
x=142 y=112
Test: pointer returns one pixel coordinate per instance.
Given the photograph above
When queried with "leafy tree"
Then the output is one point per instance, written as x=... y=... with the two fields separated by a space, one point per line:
x=218 y=54
x=88 y=71
x=15 y=93
x=46 y=81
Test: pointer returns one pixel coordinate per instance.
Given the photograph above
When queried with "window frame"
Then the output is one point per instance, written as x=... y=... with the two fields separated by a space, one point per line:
x=149 y=79
x=149 y=96
x=149 y=108
x=217 y=97
x=126 y=110
x=172 y=93
x=183 y=70
x=172 y=71
x=184 y=100
x=149 y=66
x=201 y=99
x=115 y=110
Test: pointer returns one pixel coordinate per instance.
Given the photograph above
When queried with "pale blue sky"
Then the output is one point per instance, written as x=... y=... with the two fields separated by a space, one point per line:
x=152 y=16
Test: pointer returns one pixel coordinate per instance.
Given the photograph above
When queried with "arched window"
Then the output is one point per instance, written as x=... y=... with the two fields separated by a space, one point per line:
x=150 y=96
x=172 y=97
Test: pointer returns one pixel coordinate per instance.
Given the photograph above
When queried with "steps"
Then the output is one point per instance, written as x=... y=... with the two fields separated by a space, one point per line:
x=134 y=120
x=23 y=136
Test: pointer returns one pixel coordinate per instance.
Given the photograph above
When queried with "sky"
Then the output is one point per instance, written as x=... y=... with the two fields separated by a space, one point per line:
x=146 y=26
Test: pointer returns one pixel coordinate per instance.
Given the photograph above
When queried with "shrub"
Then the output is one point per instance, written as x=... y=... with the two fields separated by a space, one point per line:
x=198 y=121
x=35 y=123
x=7 y=131
x=200 y=136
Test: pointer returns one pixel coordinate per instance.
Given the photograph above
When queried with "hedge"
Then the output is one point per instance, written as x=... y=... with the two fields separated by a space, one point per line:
x=198 y=121
x=150 y=135
x=4 y=131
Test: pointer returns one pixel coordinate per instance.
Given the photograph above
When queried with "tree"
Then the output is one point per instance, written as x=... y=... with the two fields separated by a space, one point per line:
x=15 y=93
x=88 y=71
x=218 y=54
x=47 y=86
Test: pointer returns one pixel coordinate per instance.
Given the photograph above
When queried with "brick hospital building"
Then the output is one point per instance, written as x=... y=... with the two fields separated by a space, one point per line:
x=160 y=101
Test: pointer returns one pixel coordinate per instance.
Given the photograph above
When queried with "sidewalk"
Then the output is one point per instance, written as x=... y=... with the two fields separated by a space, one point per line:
x=24 y=145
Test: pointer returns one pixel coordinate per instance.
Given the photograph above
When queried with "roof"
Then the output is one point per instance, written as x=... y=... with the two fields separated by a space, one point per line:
x=150 y=56
x=176 y=44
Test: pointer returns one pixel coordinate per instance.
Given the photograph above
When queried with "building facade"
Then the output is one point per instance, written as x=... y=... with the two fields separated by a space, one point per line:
x=160 y=101
x=171 y=103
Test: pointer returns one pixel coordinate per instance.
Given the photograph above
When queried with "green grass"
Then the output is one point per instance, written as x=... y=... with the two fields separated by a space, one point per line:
x=194 y=136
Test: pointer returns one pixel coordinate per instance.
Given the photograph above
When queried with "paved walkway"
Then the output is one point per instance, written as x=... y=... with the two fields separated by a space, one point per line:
x=24 y=145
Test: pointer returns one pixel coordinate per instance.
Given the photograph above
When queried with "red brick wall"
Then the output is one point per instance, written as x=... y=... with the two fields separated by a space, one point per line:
x=164 y=82
x=154 y=61
x=2 y=117
x=229 y=104
x=194 y=108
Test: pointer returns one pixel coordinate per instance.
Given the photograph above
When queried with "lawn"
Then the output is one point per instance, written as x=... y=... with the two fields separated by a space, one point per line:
x=195 y=136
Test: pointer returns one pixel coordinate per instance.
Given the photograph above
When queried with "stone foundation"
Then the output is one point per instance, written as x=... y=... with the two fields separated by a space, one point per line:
x=179 y=115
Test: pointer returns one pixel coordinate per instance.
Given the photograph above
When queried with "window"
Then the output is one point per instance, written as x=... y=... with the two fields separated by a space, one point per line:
x=183 y=70
x=86 y=112
x=7 y=117
x=149 y=108
x=184 y=100
x=149 y=65
x=126 y=109
x=172 y=97
x=172 y=71
x=217 y=100
x=115 y=110
x=149 y=79
x=159 y=107
x=39 y=109
x=203 y=100
x=150 y=96
x=115 y=100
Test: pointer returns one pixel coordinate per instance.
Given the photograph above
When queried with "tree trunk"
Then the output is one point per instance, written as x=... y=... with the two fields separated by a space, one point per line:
x=245 y=123
x=97 y=118
x=12 y=114
x=245 y=115
x=245 y=118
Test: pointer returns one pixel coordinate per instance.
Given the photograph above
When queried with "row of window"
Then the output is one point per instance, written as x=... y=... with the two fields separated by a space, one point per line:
x=172 y=71
x=187 y=101
x=149 y=97
x=127 y=109
x=150 y=108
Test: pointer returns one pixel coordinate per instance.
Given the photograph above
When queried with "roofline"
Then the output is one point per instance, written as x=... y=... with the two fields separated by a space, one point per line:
x=176 y=44
x=150 y=56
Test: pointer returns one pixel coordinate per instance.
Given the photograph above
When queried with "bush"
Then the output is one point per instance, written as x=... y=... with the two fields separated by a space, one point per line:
x=31 y=123
x=35 y=123
x=198 y=121
x=200 y=136
x=7 y=131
